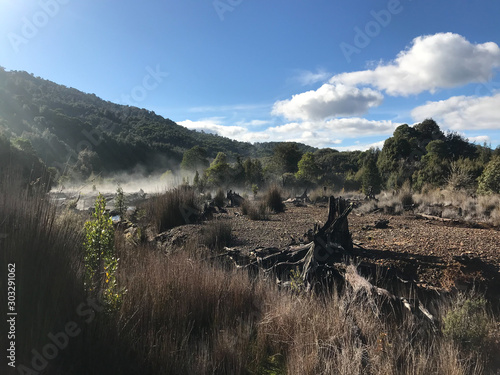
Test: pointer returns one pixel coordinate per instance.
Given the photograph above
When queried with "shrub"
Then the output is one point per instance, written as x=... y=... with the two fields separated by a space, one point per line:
x=175 y=207
x=274 y=201
x=101 y=264
x=467 y=323
x=217 y=235
x=489 y=182
x=120 y=202
x=219 y=198
x=255 y=211
x=406 y=198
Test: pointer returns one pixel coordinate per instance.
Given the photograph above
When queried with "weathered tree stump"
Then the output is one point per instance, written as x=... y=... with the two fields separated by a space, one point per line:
x=326 y=262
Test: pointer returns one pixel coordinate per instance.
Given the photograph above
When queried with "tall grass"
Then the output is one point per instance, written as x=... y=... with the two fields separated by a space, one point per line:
x=183 y=314
x=274 y=200
x=175 y=207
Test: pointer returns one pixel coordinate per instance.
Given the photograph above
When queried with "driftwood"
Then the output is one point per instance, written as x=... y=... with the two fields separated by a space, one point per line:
x=436 y=218
x=325 y=262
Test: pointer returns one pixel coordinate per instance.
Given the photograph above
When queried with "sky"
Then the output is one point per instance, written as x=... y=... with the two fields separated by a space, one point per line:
x=339 y=74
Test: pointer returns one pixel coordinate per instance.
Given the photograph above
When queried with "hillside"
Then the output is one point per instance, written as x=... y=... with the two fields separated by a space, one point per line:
x=60 y=122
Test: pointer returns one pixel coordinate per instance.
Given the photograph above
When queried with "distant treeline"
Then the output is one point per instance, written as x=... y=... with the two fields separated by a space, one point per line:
x=76 y=136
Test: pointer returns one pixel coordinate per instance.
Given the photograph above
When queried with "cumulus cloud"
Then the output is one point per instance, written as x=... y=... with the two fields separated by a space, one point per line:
x=212 y=125
x=443 y=60
x=315 y=133
x=462 y=112
x=326 y=102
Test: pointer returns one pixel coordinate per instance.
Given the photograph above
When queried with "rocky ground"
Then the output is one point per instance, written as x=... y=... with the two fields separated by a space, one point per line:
x=448 y=255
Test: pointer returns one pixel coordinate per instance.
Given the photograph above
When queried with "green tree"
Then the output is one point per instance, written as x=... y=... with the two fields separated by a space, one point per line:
x=286 y=157
x=120 y=202
x=195 y=159
x=219 y=170
x=371 y=182
x=308 y=169
x=253 y=171
x=435 y=166
x=101 y=264
x=489 y=182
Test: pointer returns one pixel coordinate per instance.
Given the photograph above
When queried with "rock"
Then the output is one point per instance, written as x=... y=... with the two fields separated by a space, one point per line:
x=382 y=224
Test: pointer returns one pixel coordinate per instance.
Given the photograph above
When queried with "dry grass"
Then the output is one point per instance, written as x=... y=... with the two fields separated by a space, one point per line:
x=173 y=208
x=460 y=205
x=274 y=200
x=185 y=315
x=216 y=235
x=255 y=210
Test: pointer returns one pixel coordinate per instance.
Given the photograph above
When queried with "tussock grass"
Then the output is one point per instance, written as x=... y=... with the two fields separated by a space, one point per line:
x=255 y=210
x=460 y=205
x=274 y=200
x=217 y=234
x=184 y=314
x=172 y=208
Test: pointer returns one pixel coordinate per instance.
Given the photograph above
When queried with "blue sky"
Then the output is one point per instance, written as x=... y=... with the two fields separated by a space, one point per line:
x=322 y=72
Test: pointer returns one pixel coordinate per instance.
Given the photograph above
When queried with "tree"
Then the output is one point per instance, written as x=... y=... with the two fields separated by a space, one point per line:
x=219 y=170
x=371 y=182
x=435 y=166
x=195 y=159
x=253 y=172
x=286 y=157
x=427 y=131
x=88 y=162
x=489 y=182
x=308 y=169
x=120 y=202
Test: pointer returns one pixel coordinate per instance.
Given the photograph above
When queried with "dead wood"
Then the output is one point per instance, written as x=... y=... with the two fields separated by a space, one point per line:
x=325 y=263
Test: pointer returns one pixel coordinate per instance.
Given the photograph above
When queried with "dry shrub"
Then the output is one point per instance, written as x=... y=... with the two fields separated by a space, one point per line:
x=175 y=207
x=219 y=198
x=274 y=200
x=217 y=235
x=189 y=317
x=347 y=334
x=460 y=205
x=255 y=210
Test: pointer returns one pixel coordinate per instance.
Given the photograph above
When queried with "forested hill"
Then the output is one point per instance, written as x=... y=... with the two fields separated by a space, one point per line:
x=60 y=122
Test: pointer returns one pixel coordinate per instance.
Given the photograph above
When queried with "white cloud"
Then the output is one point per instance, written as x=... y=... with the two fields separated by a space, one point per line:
x=480 y=139
x=361 y=147
x=315 y=133
x=328 y=133
x=212 y=125
x=462 y=112
x=306 y=77
x=443 y=60
x=326 y=102
x=252 y=123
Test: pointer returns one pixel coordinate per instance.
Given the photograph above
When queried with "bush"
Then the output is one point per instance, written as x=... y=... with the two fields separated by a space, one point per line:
x=274 y=201
x=489 y=182
x=217 y=235
x=175 y=207
x=467 y=324
x=120 y=202
x=255 y=211
x=101 y=264
x=219 y=198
